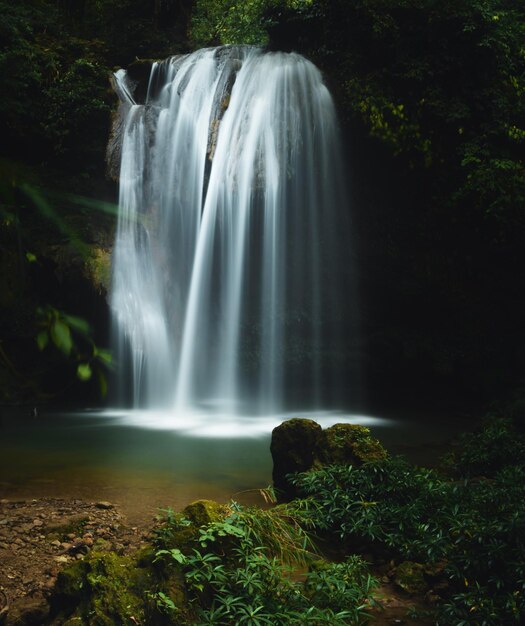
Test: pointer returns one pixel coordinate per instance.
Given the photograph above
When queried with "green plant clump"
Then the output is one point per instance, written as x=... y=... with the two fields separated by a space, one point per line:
x=486 y=452
x=216 y=22
x=474 y=529
x=237 y=571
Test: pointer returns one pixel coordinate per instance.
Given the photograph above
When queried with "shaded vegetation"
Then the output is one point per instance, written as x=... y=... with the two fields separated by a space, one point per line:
x=454 y=536
x=225 y=565
x=438 y=181
x=55 y=61
x=53 y=281
x=465 y=533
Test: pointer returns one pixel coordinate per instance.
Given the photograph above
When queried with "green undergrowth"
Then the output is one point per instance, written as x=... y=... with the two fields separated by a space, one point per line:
x=467 y=528
x=221 y=565
x=455 y=535
x=243 y=569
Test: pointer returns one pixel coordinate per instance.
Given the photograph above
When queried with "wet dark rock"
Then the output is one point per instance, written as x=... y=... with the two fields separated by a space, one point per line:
x=104 y=505
x=27 y=611
x=295 y=447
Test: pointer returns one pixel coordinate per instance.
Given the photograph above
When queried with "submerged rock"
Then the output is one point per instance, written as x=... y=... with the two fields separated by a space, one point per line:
x=72 y=524
x=104 y=505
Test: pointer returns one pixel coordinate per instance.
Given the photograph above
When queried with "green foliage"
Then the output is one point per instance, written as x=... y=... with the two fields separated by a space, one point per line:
x=339 y=586
x=484 y=453
x=55 y=61
x=46 y=240
x=77 y=103
x=71 y=335
x=56 y=86
x=277 y=529
x=233 y=575
x=474 y=528
x=441 y=84
x=228 y=22
x=232 y=22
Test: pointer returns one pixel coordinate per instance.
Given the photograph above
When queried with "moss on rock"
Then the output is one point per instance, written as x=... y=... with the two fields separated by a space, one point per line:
x=104 y=589
x=351 y=444
x=300 y=445
x=180 y=530
x=204 y=512
x=410 y=577
x=97 y=269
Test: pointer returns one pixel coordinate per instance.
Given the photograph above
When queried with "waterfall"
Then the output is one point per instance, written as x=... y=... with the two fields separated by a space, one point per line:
x=230 y=250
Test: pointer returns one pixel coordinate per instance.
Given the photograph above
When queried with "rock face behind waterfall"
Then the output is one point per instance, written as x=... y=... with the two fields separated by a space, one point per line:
x=299 y=445
x=229 y=287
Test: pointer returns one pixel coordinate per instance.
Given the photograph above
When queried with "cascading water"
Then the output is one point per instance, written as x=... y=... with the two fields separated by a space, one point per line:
x=229 y=256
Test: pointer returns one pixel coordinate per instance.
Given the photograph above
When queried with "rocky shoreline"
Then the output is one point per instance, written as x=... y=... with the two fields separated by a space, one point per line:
x=40 y=536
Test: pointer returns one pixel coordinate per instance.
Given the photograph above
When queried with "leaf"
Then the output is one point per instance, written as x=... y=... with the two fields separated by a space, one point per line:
x=84 y=371
x=77 y=323
x=31 y=257
x=42 y=339
x=61 y=336
x=102 y=383
x=104 y=355
x=167 y=601
x=177 y=555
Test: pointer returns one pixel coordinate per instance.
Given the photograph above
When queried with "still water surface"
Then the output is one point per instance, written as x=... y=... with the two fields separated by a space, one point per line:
x=144 y=461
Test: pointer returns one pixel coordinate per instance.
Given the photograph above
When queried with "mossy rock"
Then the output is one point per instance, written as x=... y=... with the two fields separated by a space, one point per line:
x=350 y=444
x=205 y=512
x=97 y=269
x=410 y=577
x=70 y=583
x=182 y=529
x=104 y=589
x=295 y=447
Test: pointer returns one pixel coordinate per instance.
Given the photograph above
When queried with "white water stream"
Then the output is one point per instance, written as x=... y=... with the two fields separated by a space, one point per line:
x=227 y=268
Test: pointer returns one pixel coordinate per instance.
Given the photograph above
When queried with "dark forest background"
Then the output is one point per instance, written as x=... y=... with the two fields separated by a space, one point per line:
x=431 y=96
